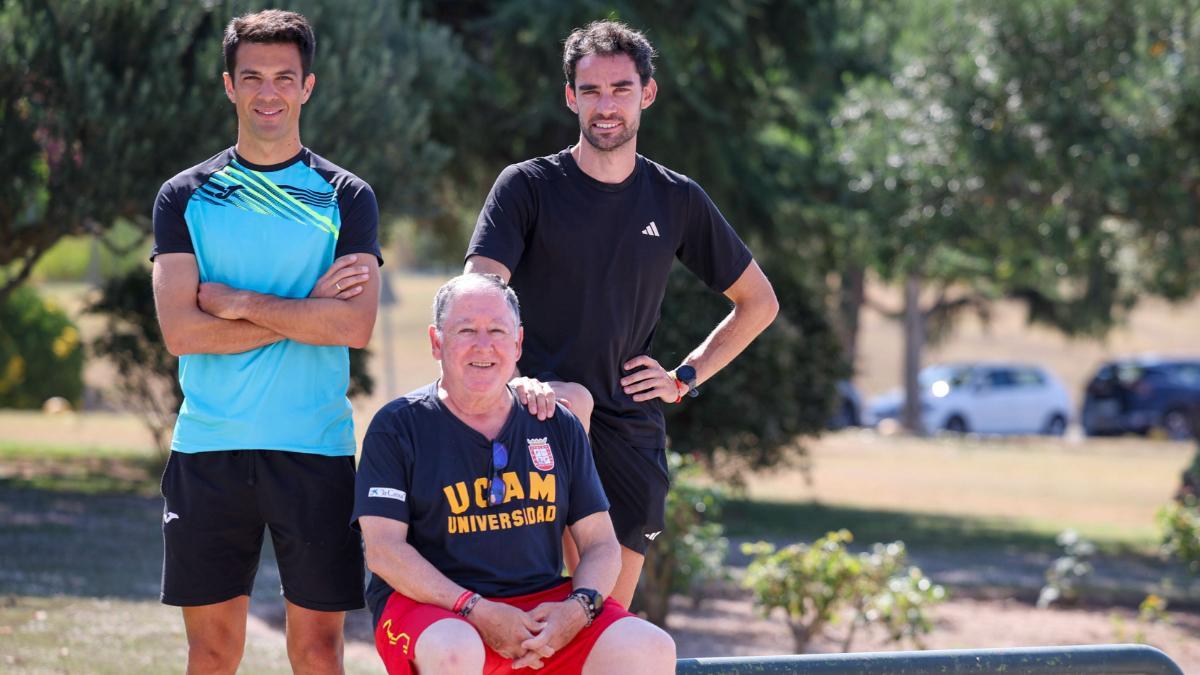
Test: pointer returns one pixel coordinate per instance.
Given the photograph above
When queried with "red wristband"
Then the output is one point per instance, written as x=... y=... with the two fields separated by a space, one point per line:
x=462 y=600
x=680 y=389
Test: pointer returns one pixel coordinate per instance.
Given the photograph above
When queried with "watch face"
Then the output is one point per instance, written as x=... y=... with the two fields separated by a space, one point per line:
x=593 y=598
x=686 y=373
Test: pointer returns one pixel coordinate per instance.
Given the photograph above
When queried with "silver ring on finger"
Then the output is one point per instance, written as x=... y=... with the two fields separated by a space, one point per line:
x=338 y=285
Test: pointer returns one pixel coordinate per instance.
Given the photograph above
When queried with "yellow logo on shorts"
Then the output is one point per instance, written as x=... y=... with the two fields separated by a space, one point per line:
x=393 y=638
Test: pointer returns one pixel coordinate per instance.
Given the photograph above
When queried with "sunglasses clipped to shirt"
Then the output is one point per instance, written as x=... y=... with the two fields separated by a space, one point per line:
x=496 y=482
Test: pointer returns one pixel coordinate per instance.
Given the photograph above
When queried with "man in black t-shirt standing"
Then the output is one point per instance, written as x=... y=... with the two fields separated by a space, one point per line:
x=588 y=237
x=463 y=499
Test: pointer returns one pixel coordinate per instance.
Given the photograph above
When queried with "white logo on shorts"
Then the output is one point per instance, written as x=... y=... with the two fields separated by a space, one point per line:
x=652 y=535
x=169 y=516
x=388 y=493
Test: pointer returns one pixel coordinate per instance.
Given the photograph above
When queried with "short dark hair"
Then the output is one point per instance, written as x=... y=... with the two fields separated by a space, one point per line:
x=270 y=26
x=607 y=38
x=449 y=290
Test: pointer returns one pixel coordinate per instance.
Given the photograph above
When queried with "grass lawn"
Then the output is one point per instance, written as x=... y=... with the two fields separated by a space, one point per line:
x=81 y=553
x=950 y=493
x=80 y=565
x=72 y=634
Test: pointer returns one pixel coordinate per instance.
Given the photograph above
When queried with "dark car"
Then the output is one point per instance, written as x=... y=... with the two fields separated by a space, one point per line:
x=847 y=411
x=1142 y=395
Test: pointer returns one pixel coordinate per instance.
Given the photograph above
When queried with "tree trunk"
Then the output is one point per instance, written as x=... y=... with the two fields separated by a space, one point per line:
x=801 y=635
x=654 y=592
x=1190 y=479
x=914 y=341
x=850 y=298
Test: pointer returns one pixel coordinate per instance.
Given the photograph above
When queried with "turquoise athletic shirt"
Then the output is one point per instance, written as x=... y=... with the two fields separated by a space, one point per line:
x=270 y=229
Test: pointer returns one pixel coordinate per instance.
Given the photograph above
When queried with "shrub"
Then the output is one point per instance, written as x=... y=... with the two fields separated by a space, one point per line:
x=815 y=584
x=146 y=381
x=691 y=550
x=40 y=352
x=1179 y=523
x=1065 y=576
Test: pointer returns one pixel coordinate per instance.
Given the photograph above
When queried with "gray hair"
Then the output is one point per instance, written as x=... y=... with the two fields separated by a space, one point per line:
x=450 y=289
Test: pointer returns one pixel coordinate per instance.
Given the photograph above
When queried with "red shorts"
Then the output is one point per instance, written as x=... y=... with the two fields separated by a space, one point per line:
x=404 y=619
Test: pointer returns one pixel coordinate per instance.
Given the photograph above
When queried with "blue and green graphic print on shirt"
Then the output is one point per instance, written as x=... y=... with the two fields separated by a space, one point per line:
x=270 y=229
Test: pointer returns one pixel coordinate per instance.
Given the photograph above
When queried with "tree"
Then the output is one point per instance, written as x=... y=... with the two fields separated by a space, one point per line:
x=692 y=548
x=89 y=130
x=1021 y=151
x=105 y=100
x=751 y=416
x=147 y=375
x=744 y=88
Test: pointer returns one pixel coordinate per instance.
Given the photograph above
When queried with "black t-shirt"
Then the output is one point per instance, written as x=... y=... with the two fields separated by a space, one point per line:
x=424 y=466
x=590 y=261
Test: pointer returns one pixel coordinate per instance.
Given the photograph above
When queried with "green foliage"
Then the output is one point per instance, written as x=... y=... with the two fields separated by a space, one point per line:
x=40 y=353
x=146 y=379
x=691 y=550
x=1032 y=149
x=1065 y=576
x=79 y=258
x=782 y=386
x=1180 y=526
x=815 y=585
x=1151 y=611
x=105 y=99
x=741 y=116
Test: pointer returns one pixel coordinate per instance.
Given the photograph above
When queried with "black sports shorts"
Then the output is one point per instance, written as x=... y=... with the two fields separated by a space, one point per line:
x=216 y=506
x=636 y=483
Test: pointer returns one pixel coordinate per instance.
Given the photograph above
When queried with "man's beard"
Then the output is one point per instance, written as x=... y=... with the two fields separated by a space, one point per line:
x=609 y=143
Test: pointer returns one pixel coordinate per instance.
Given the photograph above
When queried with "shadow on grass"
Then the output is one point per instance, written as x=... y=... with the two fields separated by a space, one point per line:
x=93 y=530
x=805 y=521
x=88 y=544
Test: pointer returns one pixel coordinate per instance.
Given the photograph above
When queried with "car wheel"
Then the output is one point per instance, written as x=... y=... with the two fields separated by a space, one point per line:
x=956 y=424
x=853 y=418
x=1175 y=422
x=1056 y=426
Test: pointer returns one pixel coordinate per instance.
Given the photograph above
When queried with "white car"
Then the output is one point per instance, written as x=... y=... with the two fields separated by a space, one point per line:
x=986 y=398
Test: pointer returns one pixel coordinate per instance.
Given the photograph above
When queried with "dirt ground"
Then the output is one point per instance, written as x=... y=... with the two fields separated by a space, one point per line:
x=730 y=626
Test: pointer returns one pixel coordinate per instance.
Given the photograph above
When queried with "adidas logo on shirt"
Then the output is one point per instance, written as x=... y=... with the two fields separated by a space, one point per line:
x=651 y=230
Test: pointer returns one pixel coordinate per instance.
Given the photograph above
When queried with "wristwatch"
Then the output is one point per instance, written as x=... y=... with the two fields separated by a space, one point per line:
x=591 y=600
x=687 y=375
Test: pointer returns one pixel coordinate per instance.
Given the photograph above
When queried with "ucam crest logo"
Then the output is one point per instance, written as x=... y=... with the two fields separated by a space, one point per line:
x=539 y=452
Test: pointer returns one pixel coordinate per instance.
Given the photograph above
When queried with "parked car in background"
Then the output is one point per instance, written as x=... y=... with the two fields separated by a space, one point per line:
x=985 y=397
x=847 y=410
x=1142 y=394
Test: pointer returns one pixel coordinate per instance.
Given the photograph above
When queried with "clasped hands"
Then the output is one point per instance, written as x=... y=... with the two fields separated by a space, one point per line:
x=528 y=637
x=342 y=281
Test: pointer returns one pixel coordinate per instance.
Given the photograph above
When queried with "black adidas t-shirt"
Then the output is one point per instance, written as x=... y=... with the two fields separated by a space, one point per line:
x=424 y=466
x=590 y=261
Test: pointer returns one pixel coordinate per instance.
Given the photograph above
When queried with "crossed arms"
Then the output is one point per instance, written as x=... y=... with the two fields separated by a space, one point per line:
x=212 y=318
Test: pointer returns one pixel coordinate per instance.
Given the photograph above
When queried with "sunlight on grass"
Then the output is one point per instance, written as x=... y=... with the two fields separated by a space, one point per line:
x=122 y=637
x=973 y=492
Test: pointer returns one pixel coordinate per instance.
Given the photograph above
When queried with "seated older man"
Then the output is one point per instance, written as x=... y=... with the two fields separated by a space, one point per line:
x=462 y=498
